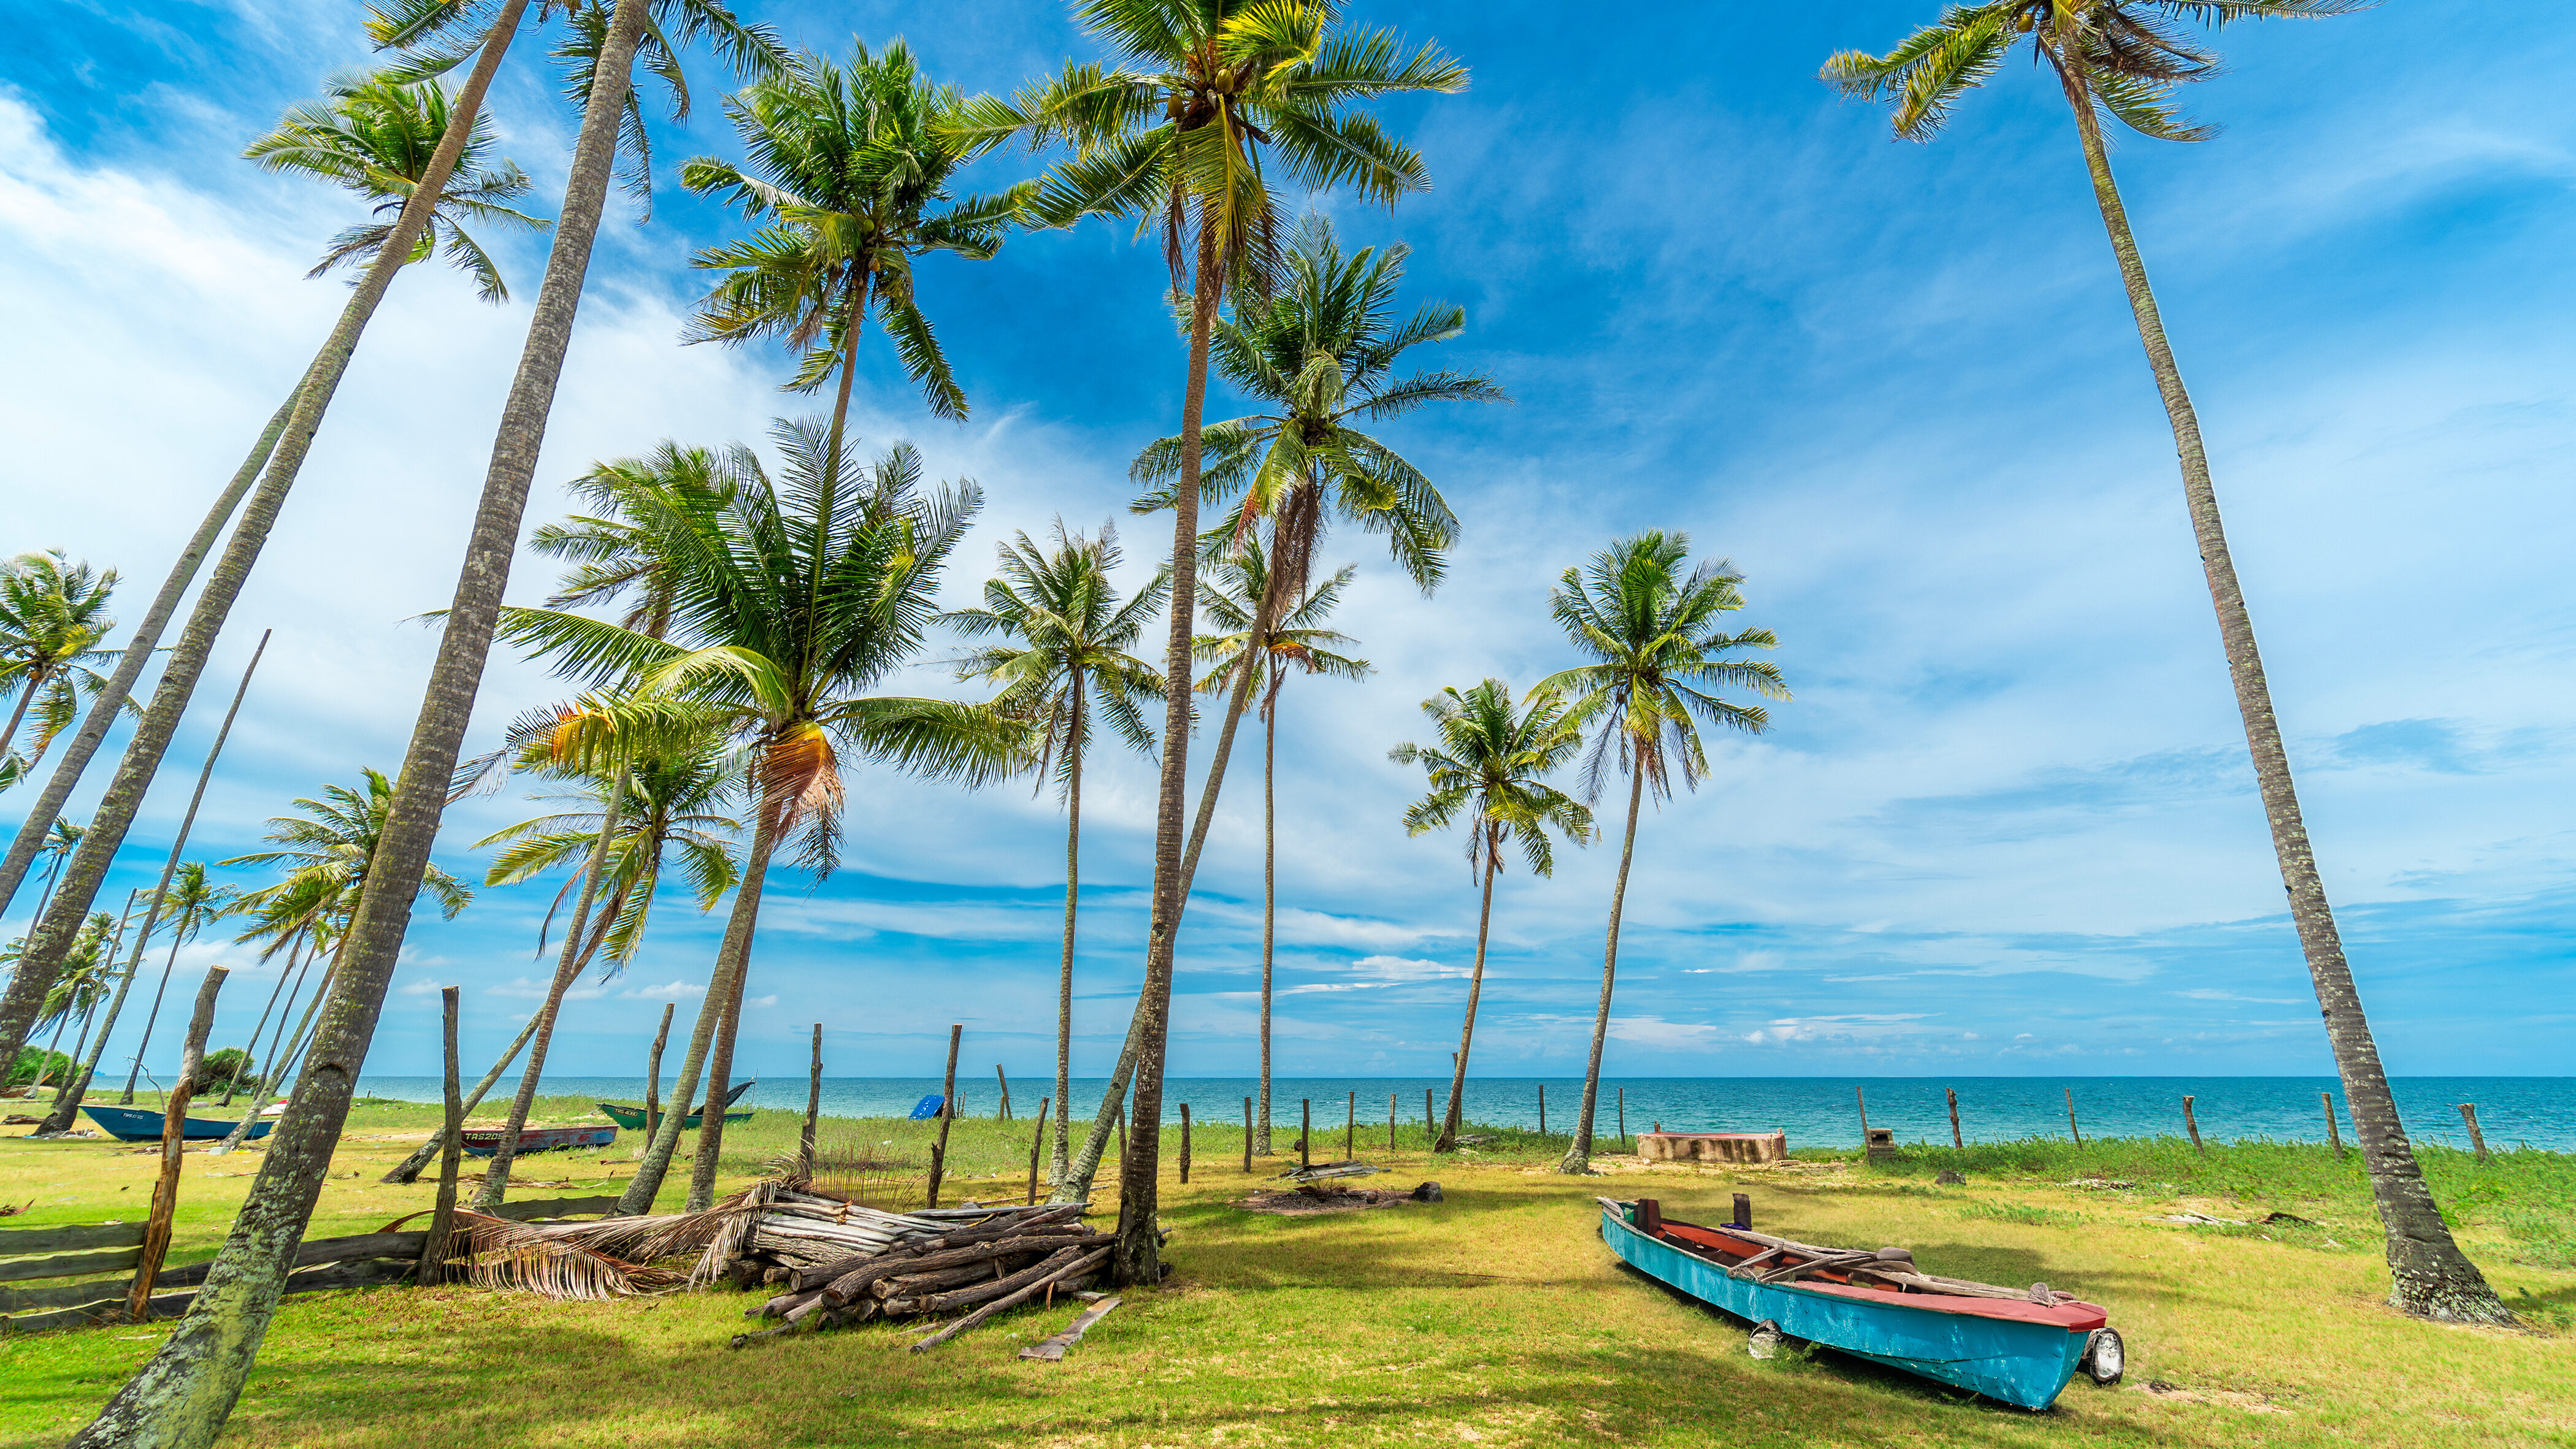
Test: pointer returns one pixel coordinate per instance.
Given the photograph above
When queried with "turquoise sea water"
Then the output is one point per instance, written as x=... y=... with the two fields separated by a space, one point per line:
x=1814 y=1111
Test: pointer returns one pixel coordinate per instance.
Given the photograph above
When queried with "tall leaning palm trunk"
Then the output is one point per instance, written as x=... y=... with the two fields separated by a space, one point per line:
x=124 y=796
x=2429 y=1274
x=1578 y=1155
x=1454 y=1118
x=182 y=1396
x=1061 y=1160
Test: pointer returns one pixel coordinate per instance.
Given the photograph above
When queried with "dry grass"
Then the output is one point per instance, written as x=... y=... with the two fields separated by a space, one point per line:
x=1494 y=1318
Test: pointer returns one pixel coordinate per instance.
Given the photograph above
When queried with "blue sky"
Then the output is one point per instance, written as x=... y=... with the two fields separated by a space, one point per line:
x=2006 y=826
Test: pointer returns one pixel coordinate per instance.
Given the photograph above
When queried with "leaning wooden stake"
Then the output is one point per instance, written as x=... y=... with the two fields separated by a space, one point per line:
x=2071 y=1129
x=1623 y=1116
x=653 y=1079
x=1037 y=1144
x=442 y=1220
x=1955 y=1139
x=1390 y=1122
x=2477 y=1139
x=2191 y=1125
x=174 y=1127
x=2334 y=1133
x=813 y=1108
x=1351 y=1132
x=1863 y=1099
x=947 y=1114
x=1305 y=1132
x=1185 y=1142
x=1247 y=1134
x=1005 y=1114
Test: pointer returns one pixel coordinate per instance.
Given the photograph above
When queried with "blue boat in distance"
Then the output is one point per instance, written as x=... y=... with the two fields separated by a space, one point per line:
x=2020 y=1347
x=136 y=1124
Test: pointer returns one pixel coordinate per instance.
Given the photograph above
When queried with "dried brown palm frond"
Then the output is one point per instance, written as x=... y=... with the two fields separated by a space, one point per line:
x=718 y=1235
x=505 y=1254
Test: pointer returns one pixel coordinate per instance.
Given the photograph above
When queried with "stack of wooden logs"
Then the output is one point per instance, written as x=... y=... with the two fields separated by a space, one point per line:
x=986 y=1260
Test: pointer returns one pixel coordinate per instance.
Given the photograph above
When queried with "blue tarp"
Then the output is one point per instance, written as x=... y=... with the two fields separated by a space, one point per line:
x=926 y=1108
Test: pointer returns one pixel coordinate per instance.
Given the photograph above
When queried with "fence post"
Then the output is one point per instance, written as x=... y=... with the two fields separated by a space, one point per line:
x=2071 y=1129
x=813 y=1108
x=174 y=1117
x=1006 y=1091
x=1351 y=1132
x=1863 y=1098
x=1390 y=1122
x=442 y=1221
x=1430 y=1129
x=1623 y=1114
x=2477 y=1139
x=1247 y=1134
x=2191 y=1125
x=1185 y=1142
x=2334 y=1133
x=947 y=1114
x=1955 y=1139
x=1542 y=1109
x=1037 y=1144
x=1305 y=1133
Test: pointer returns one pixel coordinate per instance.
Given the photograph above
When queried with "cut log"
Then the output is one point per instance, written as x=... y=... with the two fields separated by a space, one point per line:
x=1040 y=1273
x=1075 y=1269
x=889 y=1266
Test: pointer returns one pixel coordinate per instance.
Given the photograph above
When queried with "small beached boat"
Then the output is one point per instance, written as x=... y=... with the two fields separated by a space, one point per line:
x=139 y=1124
x=485 y=1141
x=2021 y=1347
x=633 y=1117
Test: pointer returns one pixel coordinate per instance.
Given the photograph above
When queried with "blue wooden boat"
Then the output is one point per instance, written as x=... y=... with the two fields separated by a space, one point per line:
x=136 y=1124
x=2021 y=1348
x=486 y=1141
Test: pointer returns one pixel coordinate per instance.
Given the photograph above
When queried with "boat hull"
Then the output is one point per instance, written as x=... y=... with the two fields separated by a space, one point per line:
x=2018 y=1362
x=136 y=1124
x=632 y=1118
x=485 y=1141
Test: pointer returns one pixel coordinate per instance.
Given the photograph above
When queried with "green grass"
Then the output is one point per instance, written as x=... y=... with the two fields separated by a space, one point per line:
x=1494 y=1317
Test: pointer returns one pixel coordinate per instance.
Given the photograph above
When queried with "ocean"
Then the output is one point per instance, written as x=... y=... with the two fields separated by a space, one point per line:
x=1815 y=1111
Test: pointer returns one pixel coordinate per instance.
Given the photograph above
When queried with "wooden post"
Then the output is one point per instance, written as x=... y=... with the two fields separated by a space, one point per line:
x=1185 y=1142
x=1955 y=1139
x=1542 y=1109
x=442 y=1221
x=1351 y=1132
x=1743 y=1210
x=1430 y=1129
x=2071 y=1129
x=947 y=1114
x=1122 y=1131
x=1863 y=1098
x=1247 y=1134
x=1005 y=1114
x=813 y=1108
x=2477 y=1139
x=1306 y=1133
x=1623 y=1114
x=1037 y=1141
x=165 y=1191
x=1390 y=1122
x=653 y=1079
x=2191 y=1125
x=2334 y=1133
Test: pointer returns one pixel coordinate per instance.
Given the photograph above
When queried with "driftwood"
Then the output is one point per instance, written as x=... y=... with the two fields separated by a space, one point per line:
x=1074 y=1269
x=1052 y=1350
x=1323 y=1170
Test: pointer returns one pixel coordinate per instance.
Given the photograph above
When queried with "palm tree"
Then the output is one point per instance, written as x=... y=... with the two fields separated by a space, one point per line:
x=630 y=750
x=375 y=135
x=1267 y=644
x=201 y=1367
x=53 y=613
x=329 y=854
x=401 y=145
x=790 y=600
x=1654 y=631
x=59 y=841
x=1067 y=656
x=1175 y=135
x=850 y=166
x=1490 y=768
x=2123 y=59
x=189 y=904
x=83 y=981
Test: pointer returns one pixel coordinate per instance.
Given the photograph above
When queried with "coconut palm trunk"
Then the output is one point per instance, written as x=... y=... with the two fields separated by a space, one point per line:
x=124 y=796
x=1137 y=1257
x=1062 y=1157
x=1269 y=911
x=1578 y=1157
x=139 y=646
x=568 y=968
x=1475 y=989
x=183 y=1394
x=656 y=1163
x=728 y=990
x=2429 y=1274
